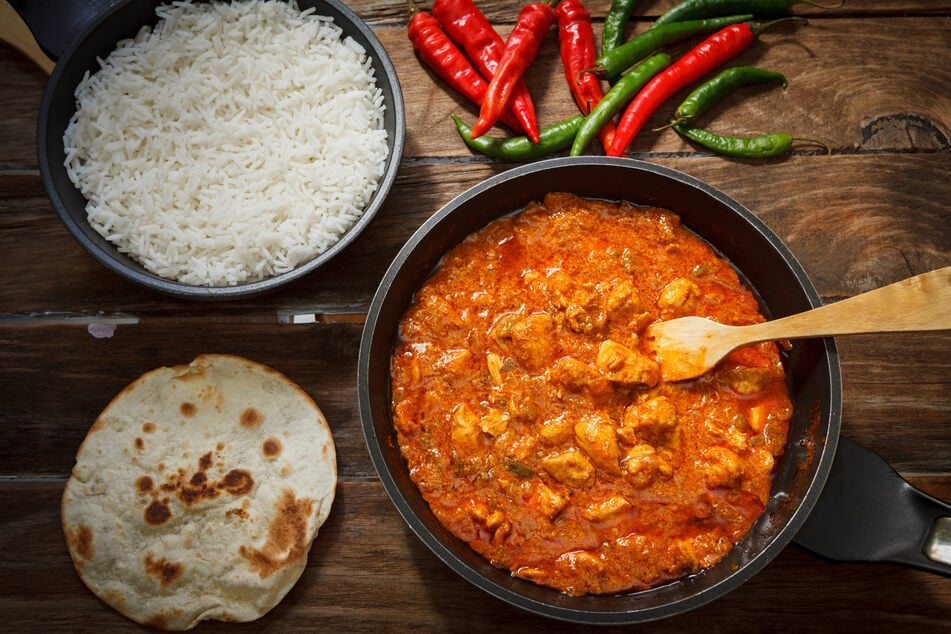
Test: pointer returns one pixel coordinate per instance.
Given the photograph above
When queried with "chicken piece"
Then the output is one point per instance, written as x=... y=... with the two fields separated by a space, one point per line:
x=623 y=302
x=494 y=421
x=760 y=458
x=653 y=421
x=494 y=362
x=494 y=519
x=502 y=327
x=465 y=430
x=678 y=295
x=500 y=526
x=589 y=564
x=576 y=376
x=559 y=286
x=570 y=468
x=683 y=556
x=548 y=501
x=721 y=466
x=730 y=428
x=761 y=414
x=626 y=366
x=571 y=373
x=604 y=509
x=479 y=511
x=453 y=363
x=578 y=302
x=598 y=439
x=556 y=431
x=736 y=439
x=533 y=340
x=584 y=319
x=747 y=380
x=642 y=464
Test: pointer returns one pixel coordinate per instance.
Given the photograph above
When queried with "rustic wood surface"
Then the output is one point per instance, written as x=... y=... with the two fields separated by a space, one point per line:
x=871 y=79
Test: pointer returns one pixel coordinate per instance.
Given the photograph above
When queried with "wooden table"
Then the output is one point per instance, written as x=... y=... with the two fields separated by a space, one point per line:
x=871 y=79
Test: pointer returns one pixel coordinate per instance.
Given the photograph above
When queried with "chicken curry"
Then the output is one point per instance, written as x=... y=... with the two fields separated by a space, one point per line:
x=538 y=428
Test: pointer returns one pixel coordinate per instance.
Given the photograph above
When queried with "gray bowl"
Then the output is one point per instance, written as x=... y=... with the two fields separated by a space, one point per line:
x=123 y=20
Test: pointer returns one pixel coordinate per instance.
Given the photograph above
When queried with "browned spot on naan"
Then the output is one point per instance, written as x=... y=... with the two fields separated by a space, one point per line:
x=158 y=512
x=188 y=409
x=148 y=428
x=194 y=487
x=162 y=569
x=139 y=443
x=238 y=512
x=286 y=536
x=79 y=540
x=237 y=482
x=251 y=418
x=144 y=484
x=197 y=489
x=272 y=447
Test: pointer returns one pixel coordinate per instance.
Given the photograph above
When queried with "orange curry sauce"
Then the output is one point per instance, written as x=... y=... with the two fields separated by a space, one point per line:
x=541 y=434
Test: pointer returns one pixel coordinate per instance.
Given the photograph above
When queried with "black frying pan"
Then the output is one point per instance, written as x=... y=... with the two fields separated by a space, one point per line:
x=78 y=34
x=896 y=521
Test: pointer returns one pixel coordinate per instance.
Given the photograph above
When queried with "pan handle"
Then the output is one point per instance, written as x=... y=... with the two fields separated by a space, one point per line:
x=56 y=24
x=867 y=512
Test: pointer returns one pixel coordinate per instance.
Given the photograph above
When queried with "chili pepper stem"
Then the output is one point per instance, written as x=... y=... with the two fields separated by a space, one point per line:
x=758 y=27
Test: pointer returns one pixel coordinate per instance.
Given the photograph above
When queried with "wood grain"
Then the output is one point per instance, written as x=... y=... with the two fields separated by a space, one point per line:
x=871 y=79
x=368 y=572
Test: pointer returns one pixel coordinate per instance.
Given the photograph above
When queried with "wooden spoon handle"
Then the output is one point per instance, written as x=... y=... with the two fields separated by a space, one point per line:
x=918 y=303
x=15 y=32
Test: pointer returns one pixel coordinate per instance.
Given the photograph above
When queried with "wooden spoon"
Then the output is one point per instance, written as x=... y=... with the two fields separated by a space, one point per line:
x=687 y=347
x=14 y=31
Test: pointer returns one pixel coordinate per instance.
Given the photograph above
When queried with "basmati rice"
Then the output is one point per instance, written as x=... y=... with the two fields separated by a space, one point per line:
x=230 y=142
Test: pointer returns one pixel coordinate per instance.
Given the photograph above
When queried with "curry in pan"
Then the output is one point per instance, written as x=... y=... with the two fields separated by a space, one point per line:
x=538 y=429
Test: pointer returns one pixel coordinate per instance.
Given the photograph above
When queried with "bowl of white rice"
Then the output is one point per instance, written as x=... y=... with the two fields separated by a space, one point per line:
x=217 y=150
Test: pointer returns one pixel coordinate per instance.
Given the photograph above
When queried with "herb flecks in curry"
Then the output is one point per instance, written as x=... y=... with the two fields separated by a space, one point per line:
x=540 y=432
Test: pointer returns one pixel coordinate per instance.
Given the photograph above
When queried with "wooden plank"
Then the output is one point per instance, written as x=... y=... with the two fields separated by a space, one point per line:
x=853 y=87
x=368 y=572
x=847 y=88
x=57 y=380
x=390 y=12
x=851 y=236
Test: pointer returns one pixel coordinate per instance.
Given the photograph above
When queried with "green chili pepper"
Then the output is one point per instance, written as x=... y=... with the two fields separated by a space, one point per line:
x=699 y=9
x=615 y=22
x=761 y=146
x=551 y=139
x=612 y=64
x=710 y=92
x=614 y=99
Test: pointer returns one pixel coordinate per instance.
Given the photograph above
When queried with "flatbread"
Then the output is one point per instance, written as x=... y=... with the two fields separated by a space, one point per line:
x=198 y=492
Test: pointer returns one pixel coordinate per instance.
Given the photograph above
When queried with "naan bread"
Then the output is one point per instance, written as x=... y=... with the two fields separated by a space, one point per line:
x=198 y=492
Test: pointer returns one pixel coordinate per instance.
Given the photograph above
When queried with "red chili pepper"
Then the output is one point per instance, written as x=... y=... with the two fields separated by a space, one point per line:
x=578 y=52
x=521 y=48
x=439 y=53
x=470 y=29
x=704 y=58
